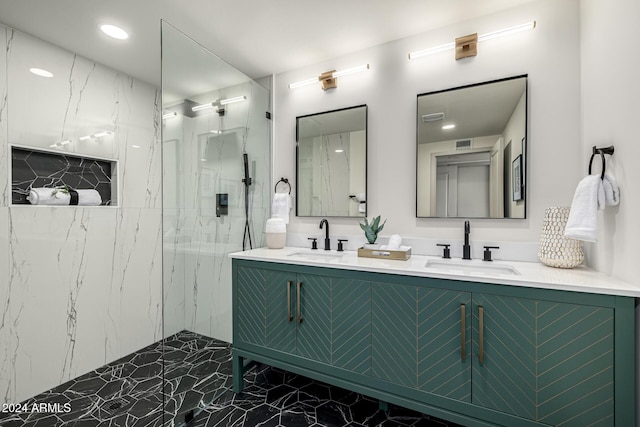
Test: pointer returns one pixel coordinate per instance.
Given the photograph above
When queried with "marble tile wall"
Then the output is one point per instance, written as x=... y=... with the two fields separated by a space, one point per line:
x=6 y=39
x=82 y=286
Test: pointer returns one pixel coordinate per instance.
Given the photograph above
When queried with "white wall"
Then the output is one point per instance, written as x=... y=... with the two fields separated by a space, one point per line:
x=549 y=55
x=79 y=287
x=610 y=112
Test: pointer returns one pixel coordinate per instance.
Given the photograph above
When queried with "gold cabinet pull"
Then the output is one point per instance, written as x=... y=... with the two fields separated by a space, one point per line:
x=300 y=319
x=481 y=334
x=289 y=316
x=463 y=332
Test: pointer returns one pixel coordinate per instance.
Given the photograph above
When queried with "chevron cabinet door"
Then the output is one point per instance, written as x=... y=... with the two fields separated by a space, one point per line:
x=351 y=325
x=314 y=327
x=250 y=324
x=280 y=310
x=504 y=354
x=444 y=343
x=394 y=340
x=575 y=365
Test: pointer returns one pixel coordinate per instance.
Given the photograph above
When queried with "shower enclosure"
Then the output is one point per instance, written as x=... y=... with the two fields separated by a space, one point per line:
x=216 y=187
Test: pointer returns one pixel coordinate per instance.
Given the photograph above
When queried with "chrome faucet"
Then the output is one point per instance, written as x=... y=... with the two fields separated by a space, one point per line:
x=466 y=248
x=327 y=241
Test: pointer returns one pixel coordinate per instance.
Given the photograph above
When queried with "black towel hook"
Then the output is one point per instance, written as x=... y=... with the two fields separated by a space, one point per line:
x=286 y=181
x=602 y=151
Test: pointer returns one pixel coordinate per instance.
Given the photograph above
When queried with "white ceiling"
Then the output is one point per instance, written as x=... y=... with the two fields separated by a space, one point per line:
x=257 y=37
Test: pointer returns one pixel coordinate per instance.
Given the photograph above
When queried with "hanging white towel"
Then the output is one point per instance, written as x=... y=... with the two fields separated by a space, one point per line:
x=583 y=216
x=281 y=206
x=611 y=190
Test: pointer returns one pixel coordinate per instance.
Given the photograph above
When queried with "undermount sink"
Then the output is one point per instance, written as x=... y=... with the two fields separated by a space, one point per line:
x=317 y=255
x=470 y=267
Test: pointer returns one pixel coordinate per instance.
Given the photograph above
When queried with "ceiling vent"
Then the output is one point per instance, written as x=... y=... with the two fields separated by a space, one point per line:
x=463 y=144
x=435 y=117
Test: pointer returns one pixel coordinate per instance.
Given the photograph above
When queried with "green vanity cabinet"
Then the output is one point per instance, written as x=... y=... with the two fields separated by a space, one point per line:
x=313 y=316
x=504 y=350
x=283 y=311
x=422 y=338
x=478 y=354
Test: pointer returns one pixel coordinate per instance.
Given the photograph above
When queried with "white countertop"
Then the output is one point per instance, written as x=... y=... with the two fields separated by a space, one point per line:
x=532 y=275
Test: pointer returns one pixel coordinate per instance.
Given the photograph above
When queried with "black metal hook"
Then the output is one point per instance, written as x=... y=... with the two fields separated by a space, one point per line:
x=286 y=181
x=602 y=151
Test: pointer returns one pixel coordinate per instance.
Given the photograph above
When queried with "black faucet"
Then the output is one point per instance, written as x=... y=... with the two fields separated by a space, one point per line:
x=466 y=248
x=327 y=241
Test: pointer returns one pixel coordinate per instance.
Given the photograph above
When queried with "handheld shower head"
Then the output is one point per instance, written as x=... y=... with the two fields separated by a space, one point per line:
x=247 y=178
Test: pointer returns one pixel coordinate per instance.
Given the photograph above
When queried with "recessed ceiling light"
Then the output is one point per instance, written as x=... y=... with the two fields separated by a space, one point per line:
x=114 y=31
x=447 y=127
x=40 y=72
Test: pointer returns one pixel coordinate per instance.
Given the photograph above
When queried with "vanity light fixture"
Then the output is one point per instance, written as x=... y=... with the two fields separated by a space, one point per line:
x=102 y=133
x=40 y=72
x=328 y=78
x=339 y=151
x=114 y=31
x=169 y=115
x=447 y=127
x=215 y=131
x=470 y=40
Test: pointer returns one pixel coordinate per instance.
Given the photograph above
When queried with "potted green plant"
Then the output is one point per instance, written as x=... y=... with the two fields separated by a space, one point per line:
x=371 y=230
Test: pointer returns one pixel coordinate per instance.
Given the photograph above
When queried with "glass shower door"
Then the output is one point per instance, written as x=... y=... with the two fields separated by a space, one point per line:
x=213 y=117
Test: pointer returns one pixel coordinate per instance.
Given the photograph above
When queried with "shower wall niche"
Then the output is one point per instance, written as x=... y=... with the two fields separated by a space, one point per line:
x=33 y=168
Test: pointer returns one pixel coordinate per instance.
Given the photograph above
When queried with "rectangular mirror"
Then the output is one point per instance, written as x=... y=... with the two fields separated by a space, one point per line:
x=331 y=163
x=471 y=151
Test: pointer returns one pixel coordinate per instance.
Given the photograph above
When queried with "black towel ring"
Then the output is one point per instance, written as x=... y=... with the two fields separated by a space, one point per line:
x=602 y=151
x=286 y=181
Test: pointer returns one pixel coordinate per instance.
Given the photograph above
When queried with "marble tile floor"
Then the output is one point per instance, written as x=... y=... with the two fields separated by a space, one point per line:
x=129 y=393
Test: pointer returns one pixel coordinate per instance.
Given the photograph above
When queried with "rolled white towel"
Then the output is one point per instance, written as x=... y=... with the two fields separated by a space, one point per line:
x=58 y=197
x=48 y=196
x=89 y=198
